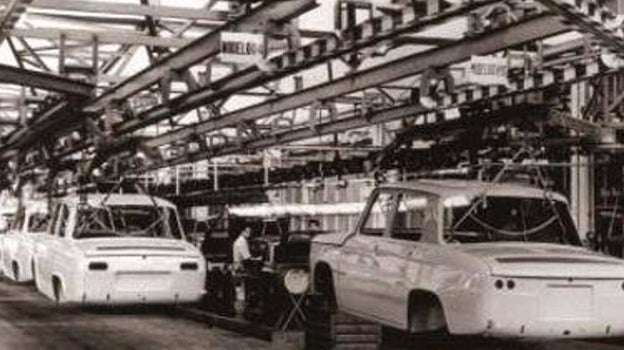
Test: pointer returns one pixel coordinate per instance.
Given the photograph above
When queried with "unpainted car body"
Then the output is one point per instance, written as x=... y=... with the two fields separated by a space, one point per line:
x=7 y=214
x=118 y=249
x=18 y=245
x=446 y=255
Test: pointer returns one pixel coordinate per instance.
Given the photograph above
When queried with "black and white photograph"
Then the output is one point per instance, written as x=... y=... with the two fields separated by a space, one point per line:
x=312 y=174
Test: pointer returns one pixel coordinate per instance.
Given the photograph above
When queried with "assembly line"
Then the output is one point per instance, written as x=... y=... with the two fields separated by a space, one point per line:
x=312 y=174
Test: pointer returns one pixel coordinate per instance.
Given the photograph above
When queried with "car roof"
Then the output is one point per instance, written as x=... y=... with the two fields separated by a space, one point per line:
x=472 y=188
x=98 y=199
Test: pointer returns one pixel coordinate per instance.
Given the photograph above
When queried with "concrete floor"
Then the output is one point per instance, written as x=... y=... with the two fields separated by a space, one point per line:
x=485 y=344
x=30 y=321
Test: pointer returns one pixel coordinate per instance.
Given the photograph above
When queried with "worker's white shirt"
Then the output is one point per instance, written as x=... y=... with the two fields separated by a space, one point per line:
x=240 y=251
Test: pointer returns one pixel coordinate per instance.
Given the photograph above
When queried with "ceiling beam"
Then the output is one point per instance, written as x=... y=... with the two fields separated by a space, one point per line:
x=128 y=9
x=102 y=36
x=45 y=81
x=136 y=22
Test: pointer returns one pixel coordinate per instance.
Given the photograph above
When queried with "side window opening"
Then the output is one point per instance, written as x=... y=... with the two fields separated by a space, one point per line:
x=410 y=218
x=379 y=214
x=18 y=223
x=38 y=222
x=55 y=215
x=63 y=219
x=174 y=223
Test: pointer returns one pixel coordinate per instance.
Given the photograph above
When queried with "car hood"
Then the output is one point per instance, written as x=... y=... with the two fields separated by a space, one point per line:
x=544 y=260
x=136 y=246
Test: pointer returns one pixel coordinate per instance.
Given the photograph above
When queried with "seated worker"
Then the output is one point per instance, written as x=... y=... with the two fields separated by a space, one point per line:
x=240 y=249
x=242 y=259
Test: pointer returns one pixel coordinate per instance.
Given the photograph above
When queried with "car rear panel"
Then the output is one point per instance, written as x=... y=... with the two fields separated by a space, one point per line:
x=546 y=307
x=142 y=272
x=143 y=279
x=540 y=291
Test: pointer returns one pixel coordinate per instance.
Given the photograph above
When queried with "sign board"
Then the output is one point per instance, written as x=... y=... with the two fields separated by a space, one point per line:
x=242 y=48
x=272 y=157
x=488 y=70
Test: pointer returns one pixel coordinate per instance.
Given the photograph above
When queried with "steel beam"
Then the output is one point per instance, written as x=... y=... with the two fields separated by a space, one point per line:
x=102 y=36
x=45 y=127
x=200 y=49
x=128 y=9
x=136 y=22
x=529 y=30
x=45 y=81
x=591 y=18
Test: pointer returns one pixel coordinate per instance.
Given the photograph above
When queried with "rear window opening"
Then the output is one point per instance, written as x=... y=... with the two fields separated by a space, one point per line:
x=127 y=221
x=510 y=219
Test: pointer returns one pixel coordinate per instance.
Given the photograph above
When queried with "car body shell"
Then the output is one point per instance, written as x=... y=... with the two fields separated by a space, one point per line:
x=498 y=289
x=138 y=270
x=7 y=212
x=18 y=245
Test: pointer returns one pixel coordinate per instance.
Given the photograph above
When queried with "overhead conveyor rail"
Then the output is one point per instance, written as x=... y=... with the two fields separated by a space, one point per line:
x=423 y=116
x=537 y=27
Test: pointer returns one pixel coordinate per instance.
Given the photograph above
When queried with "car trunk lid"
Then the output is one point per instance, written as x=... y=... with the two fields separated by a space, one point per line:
x=135 y=247
x=539 y=260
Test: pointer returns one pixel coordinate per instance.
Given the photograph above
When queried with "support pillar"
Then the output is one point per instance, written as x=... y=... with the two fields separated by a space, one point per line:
x=582 y=193
x=582 y=184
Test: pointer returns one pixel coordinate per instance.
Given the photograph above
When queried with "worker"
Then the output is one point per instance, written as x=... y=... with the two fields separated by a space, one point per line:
x=205 y=244
x=314 y=225
x=242 y=258
x=240 y=249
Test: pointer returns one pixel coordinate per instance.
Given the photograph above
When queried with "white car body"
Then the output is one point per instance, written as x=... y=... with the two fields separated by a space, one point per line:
x=7 y=213
x=122 y=269
x=495 y=288
x=18 y=244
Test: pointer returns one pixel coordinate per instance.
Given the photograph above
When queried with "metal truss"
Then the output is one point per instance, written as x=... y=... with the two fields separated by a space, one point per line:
x=522 y=91
x=102 y=125
x=367 y=34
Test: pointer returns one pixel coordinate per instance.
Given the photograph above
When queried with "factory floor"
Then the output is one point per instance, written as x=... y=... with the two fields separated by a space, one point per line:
x=394 y=342
x=30 y=321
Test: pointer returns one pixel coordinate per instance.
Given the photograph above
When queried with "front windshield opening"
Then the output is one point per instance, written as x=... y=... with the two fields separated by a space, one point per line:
x=38 y=222
x=127 y=221
x=510 y=219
